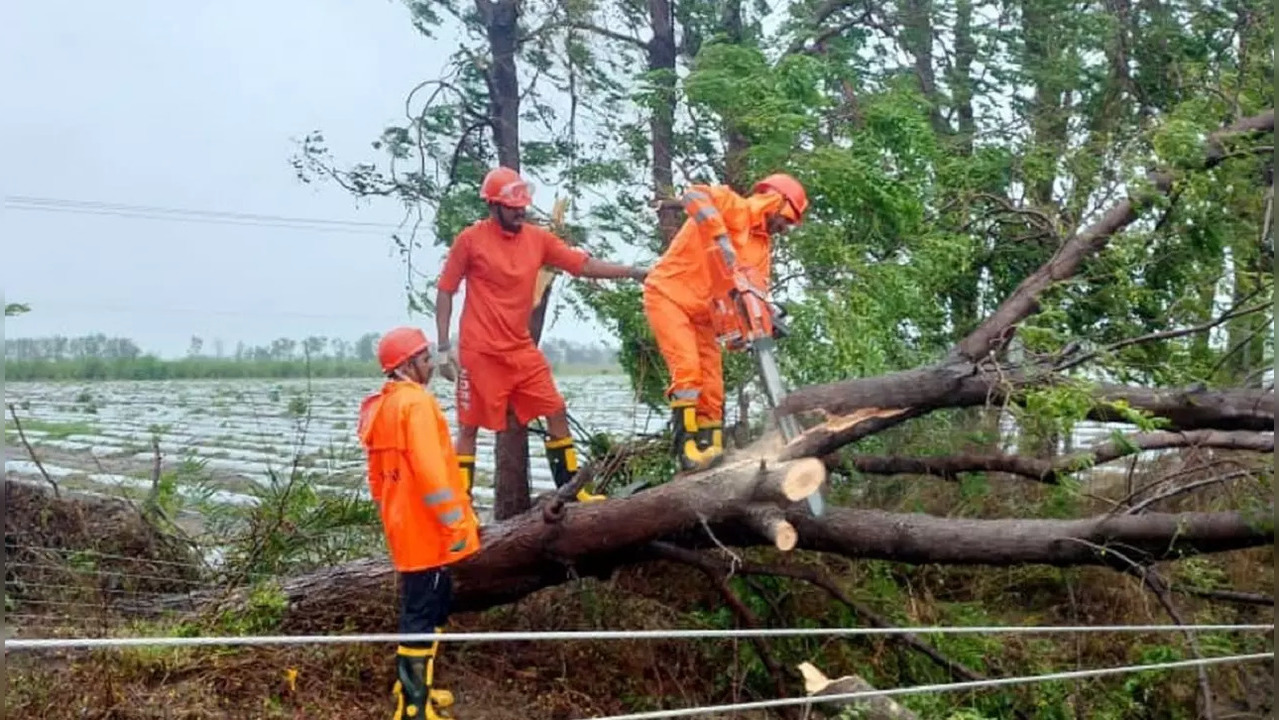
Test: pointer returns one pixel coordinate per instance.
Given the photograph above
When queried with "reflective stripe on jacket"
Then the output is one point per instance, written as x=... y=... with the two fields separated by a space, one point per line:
x=698 y=265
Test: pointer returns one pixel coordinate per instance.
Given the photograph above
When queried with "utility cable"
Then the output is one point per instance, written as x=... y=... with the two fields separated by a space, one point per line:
x=526 y=636
x=942 y=687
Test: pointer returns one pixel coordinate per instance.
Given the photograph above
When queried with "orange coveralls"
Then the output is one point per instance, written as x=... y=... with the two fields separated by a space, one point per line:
x=499 y=362
x=690 y=274
x=414 y=478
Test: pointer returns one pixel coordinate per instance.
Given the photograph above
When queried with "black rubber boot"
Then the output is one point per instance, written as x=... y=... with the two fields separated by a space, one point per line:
x=562 y=457
x=414 y=697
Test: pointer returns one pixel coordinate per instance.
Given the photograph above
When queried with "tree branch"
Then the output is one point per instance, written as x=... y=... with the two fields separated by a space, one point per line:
x=17 y=424
x=719 y=575
x=610 y=34
x=995 y=332
x=1162 y=335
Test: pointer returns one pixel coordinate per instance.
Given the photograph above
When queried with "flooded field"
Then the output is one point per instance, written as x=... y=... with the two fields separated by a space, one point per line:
x=97 y=436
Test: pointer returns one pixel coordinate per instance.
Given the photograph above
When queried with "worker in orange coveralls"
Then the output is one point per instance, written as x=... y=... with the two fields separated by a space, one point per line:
x=495 y=363
x=726 y=234
x=425 y=509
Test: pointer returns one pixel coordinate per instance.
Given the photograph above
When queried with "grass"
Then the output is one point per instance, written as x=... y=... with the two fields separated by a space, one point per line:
x=573 y=679
x=51 y=430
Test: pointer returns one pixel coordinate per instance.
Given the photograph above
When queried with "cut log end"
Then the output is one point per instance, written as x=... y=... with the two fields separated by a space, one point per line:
x=785 y=536
x=804 y=478
x=771 y=523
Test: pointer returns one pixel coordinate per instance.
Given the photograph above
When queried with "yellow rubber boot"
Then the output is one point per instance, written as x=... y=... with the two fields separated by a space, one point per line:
x=689 y=453
x=710 y=435
x=562 y=457
x=466 y=463
x=416 y=699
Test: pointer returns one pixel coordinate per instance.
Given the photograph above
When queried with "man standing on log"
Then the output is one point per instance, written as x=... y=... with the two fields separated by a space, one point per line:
x=426 y=511
x=495 y=363
x=725 y=236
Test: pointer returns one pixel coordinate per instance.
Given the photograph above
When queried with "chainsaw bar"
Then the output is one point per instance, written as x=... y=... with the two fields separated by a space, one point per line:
x=771 y=377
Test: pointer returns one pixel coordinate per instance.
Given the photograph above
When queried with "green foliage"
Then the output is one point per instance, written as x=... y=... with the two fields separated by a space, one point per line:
x=15 y=309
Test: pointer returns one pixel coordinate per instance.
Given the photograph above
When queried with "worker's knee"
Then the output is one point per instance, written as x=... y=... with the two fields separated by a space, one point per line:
x=557 y=424
x=466 y=438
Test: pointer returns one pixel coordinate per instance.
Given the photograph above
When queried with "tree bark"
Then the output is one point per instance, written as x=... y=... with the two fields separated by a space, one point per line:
x=865 y=406
x=950 y=467
x=511 y=489
x=526 y=553
x=662 y=51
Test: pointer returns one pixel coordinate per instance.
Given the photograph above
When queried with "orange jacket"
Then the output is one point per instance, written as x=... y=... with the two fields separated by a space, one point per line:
x=695 y=268
x=414 y=478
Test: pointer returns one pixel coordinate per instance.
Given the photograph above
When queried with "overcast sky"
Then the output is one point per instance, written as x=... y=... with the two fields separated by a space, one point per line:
x=196 y=105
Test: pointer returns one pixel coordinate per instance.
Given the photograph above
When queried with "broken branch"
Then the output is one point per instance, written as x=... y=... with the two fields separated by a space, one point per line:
x=17 y=424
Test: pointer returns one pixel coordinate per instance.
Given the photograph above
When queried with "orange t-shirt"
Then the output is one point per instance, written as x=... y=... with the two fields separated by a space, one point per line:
x=687 y=274
x=500 y=269
x=414 y=478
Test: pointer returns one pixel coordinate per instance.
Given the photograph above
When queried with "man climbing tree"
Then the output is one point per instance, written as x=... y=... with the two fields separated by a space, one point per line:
x=427 y=517
x=496 y=364
x=725 y=235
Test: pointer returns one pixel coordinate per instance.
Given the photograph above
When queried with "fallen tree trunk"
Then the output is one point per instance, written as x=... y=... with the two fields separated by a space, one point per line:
x=526 y=553
x=866 y=406
x=921 y=538
x=950 y=467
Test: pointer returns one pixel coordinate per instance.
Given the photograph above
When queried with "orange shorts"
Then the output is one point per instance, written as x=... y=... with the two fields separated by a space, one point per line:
x=487 y=383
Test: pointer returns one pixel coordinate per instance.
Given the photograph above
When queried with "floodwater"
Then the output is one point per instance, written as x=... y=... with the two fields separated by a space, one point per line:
x=97 y=436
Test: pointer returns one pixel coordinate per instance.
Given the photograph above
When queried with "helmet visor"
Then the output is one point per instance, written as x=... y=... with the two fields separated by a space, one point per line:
x=517 y=193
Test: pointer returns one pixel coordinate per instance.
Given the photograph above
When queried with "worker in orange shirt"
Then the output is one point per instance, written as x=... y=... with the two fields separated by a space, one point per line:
x=425 y=508
x=495 y=362
x=726 y=234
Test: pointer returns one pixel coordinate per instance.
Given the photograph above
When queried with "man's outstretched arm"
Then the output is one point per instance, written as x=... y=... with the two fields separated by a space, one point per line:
x=576 y=262
x=596 y=268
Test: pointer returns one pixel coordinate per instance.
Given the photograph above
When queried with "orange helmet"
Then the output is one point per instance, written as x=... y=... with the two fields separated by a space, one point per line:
x=399 y=345
x=789 y=188
x=504 y=186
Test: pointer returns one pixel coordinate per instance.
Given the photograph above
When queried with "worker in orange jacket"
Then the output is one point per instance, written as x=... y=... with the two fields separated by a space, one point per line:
x=425 y=508
x=726 y=235
x=496 y=364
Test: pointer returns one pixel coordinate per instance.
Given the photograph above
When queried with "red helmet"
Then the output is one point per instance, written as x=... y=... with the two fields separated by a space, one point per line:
x=399 y=345
x=789 y=188
x=504 y=186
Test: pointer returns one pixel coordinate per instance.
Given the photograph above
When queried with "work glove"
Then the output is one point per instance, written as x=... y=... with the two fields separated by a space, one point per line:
x=445 y=359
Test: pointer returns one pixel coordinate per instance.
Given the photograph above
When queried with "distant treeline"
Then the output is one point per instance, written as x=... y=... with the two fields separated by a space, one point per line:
x=98 y=357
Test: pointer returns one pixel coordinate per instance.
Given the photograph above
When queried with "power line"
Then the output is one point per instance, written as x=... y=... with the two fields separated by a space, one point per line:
x=55 y=306
x=941 y=687
x=50 y=643
x=155 y=212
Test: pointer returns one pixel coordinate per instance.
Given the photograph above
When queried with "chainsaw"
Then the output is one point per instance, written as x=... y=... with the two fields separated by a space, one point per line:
x=745 y=320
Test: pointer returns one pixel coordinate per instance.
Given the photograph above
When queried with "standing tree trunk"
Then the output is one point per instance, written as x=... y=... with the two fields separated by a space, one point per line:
x=661 y=67
x=511 y=494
